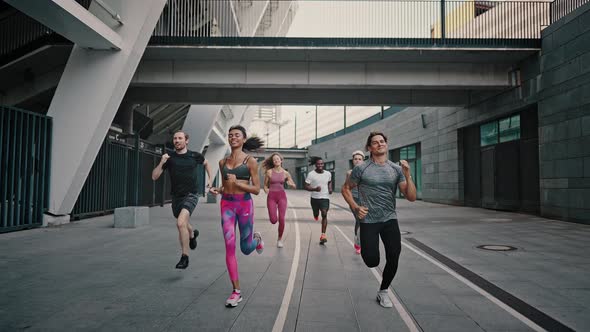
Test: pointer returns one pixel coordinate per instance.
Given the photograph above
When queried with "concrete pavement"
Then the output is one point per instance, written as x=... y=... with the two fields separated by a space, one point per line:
x=88 y=275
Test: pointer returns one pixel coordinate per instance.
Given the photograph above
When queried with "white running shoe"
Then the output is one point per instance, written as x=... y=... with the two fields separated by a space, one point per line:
x=383 y=299
x=280 y=244
x=260 y=246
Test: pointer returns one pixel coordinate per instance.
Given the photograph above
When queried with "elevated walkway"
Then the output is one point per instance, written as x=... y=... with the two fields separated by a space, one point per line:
x=459 y=47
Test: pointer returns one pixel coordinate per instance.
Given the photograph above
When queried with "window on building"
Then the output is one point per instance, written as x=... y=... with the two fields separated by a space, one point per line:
x=489 y=133
x=331 y=167
x=510 y=128
x=408 y=152
x=500 y=131
x=301 y=176
x=411 y=154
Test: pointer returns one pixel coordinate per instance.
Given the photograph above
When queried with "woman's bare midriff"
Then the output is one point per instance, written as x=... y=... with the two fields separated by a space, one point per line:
x=231 y=188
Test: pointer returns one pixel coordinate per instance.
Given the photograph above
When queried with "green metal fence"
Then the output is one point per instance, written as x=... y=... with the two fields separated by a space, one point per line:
x=121 y=176
x=25 y=159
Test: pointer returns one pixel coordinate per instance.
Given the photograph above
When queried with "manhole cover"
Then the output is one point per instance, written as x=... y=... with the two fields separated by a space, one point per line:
x=405 y=232
x=496 y=247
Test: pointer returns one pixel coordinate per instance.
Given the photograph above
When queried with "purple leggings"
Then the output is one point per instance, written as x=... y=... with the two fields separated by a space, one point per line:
x=237 y=207
x=274 y=200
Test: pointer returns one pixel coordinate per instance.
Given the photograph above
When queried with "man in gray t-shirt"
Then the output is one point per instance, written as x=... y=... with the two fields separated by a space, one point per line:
x=377 y=185
x=377 y=180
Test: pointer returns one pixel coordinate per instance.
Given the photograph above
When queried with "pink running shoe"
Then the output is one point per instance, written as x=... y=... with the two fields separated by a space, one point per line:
x=233 y=300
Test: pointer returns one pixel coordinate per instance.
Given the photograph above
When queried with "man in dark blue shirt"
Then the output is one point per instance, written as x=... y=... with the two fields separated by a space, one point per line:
x=182 y=167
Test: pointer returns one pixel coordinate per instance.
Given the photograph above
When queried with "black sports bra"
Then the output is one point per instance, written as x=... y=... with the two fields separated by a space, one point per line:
x=241 y=172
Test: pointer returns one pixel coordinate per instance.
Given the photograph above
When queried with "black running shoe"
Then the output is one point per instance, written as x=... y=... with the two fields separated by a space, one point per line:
x=193 y=242
x=183 y=263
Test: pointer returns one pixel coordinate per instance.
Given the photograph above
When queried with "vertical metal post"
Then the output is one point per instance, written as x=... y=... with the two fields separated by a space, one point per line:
x=164 y=178
x=345 y=119
x=295 y=132
x=442 y=20
x=316 y=122
x=136 y=175
x=382 y=112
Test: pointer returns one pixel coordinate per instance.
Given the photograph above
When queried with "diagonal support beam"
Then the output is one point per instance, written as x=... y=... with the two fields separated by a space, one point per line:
x=88 y=96
x=74 y=22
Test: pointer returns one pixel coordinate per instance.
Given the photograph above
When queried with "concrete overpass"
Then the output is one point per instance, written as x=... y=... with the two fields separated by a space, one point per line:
x=287 y=153
x=330 y=75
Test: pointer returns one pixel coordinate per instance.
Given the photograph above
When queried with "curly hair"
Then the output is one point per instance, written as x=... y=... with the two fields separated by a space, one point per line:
x=314 y=159
x=252 y=143
x=268 y=163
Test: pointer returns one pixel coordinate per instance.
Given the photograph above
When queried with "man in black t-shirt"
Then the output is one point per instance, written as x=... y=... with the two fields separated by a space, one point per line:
x=182 y=167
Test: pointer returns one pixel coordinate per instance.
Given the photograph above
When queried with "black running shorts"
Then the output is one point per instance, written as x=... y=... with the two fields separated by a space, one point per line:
x=318 y=204
x=188 y=202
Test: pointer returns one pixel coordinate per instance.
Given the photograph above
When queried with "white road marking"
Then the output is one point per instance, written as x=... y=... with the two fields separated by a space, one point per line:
x=404 y=314
x=476 y=288
x=282 y=315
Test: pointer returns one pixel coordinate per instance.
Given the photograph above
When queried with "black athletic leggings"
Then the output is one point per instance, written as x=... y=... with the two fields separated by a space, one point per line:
x=391 y=238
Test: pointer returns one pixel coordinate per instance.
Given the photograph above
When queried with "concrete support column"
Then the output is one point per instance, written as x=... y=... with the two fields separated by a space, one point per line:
x=89 y=94
x=199 y=123
x=126 y=116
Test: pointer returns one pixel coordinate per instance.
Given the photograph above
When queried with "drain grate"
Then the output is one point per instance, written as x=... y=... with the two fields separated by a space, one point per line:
x=497 y=247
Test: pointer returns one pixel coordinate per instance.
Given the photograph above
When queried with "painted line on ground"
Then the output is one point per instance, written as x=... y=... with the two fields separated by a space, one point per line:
x=527 y=314
x=403 y=312
x=282 y=315
x=439 y=260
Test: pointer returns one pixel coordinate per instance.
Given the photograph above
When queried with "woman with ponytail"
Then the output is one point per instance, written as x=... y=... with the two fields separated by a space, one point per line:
x=275 y=177
x=240 y=181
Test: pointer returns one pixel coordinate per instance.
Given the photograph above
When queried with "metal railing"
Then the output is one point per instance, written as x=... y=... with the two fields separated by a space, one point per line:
x=355 y=23
x=312 y=23
x=20 y=34
x=121 y=176
x=25 y=159
x=560 y=8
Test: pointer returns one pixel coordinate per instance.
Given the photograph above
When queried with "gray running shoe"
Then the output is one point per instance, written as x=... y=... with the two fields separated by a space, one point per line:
x=260 y=246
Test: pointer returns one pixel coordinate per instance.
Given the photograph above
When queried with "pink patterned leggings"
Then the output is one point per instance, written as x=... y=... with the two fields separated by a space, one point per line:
x=237 y=207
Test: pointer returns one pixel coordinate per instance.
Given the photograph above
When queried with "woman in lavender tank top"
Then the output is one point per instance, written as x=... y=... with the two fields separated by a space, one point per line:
x=274 y=185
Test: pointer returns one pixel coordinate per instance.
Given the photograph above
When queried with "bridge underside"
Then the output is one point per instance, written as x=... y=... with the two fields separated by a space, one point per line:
x=301 y=96
x=322 y=75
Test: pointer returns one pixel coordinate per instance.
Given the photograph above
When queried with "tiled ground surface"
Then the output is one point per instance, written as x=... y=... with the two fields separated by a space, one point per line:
x=89 y=276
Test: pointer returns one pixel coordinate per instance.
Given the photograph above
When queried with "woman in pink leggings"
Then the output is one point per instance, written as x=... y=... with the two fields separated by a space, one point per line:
x=240 y=180
x=274 y=186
